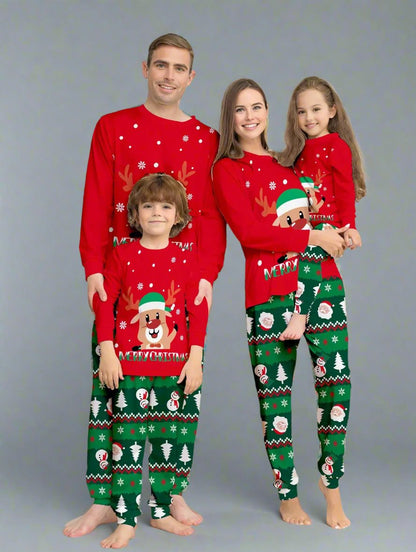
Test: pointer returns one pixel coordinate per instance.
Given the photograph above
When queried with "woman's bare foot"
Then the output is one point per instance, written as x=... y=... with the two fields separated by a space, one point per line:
x=120 y=538
x=335 y=516
x=96 y=515
x=292 y=512
x=183 y=513
x=295 y=329
x=171 y=525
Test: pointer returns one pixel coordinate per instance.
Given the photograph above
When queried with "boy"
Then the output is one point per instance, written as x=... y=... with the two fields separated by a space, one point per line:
x=152 y=281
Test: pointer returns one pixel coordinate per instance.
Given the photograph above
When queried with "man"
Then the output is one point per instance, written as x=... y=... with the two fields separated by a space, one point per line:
x=154 y=137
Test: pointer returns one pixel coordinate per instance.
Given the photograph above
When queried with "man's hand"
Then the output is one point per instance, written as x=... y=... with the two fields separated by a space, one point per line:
x=95 y=284
x=204 y=290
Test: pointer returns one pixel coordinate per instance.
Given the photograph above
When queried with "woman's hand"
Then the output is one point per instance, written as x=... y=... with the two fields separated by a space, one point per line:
x=330 y=240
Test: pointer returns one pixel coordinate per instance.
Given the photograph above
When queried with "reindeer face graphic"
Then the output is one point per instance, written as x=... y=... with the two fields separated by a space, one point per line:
x=152 y=317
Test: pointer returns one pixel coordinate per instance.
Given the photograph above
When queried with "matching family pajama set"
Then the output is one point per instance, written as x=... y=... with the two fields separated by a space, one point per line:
x=127 y=145
x=247 y=192
x=156 y=324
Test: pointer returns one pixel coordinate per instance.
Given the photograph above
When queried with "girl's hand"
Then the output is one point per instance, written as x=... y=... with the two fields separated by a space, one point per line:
x=110 y=371
x=352 y=238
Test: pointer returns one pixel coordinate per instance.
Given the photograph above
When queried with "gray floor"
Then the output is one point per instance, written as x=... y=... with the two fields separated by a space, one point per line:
x=239 y=515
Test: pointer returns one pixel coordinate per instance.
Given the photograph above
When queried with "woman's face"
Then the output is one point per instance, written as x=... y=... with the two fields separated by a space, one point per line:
x=250 y=115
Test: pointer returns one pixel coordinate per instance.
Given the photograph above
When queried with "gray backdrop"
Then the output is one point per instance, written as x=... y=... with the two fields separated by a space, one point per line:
x=65 y=63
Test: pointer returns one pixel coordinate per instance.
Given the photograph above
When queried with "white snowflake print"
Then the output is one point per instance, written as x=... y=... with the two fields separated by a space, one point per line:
x=140 y=286
x=272 y=185
x=120 y=207
x=141 y=164
x=211 y=131
x=185 y=137
x=123 y=325
x=189 y=196
x=173 y=260
x=248 y=184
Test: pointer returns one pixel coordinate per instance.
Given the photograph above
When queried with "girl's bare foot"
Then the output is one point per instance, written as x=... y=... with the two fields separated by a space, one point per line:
x=120 y=538
x=96 y=515
x=183 y=513
x=335 y=516
x=295 y=329
x=292 y=512
x=171 y=525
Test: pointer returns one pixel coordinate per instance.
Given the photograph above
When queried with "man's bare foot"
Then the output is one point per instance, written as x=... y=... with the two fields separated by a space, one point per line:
x=171 y=525
x=335 y=516
x=96 y=515
x=292 y=512
x=120 y=538
x=295 y=329
x=183 y=513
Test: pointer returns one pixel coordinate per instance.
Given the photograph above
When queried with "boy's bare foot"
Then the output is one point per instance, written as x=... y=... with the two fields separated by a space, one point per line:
x=120 y=538
x=292 y=512
x=96 y=515
x=335 y=516
x=183 y=513
x=295 y=329
x=171 y=525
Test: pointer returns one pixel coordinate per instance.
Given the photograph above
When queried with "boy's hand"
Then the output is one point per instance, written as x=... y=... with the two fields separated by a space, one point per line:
x=192 y=370
x=110 y=371
x=352 y=238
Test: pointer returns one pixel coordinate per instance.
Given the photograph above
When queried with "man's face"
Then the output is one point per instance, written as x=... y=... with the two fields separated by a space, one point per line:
x=168 y=75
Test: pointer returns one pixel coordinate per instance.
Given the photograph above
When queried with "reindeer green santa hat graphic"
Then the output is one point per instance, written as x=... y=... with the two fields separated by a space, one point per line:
x=291 y=199
x=153 y=301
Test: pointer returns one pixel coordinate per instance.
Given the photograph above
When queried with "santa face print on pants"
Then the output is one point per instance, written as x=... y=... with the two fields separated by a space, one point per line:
x=327 y=340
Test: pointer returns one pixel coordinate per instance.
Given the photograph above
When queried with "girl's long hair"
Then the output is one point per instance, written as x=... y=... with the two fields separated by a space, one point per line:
x=229 y=145
x=295 y=138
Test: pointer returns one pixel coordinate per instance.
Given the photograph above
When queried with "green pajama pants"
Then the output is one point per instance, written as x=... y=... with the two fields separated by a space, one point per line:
x=310 y=278
x=99 y=460
x=145 y=407
x=273 y=363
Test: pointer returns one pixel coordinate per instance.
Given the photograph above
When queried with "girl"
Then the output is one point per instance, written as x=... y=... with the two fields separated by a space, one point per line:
x=321 y=145
x=251 y=188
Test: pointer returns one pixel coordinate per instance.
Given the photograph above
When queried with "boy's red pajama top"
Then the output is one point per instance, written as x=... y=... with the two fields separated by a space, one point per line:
x=160 y=283
x=246 y=191
x=327 y=160
x=129 y=144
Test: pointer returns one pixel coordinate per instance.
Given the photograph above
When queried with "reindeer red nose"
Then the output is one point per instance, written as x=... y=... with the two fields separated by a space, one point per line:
x=153 y=324
x=299 y=224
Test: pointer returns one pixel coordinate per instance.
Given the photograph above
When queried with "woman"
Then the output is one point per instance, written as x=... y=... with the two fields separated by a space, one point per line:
x=265 y=206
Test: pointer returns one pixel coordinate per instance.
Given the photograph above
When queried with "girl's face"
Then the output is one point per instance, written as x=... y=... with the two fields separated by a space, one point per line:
x=250 y=116
x=314 y=113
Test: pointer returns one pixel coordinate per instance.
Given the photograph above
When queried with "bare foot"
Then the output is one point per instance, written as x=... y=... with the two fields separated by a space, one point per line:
x=183 y=513
x=335 y=516
x=292 y=512
x=295 y=329
x=120 y=538
x=96 y=515
x=170 y=525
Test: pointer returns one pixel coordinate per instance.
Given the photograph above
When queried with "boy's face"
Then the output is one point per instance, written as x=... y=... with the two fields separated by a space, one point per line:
x=156 y=218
